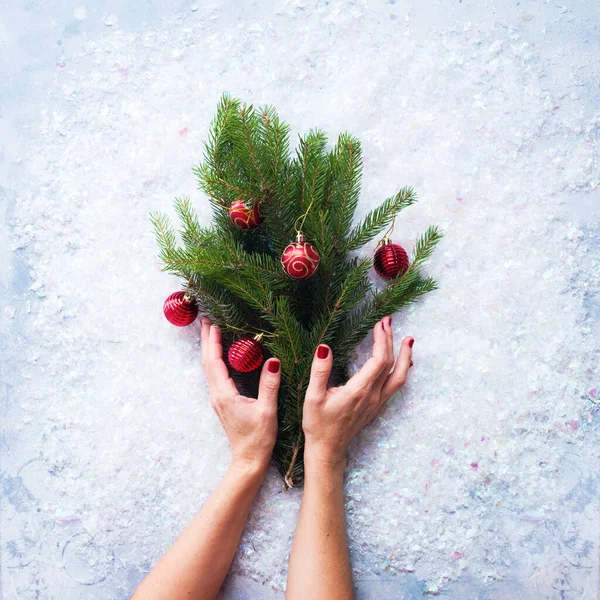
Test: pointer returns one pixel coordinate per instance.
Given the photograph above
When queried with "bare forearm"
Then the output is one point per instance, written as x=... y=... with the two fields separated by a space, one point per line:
x=319 y=563
x=197 y=563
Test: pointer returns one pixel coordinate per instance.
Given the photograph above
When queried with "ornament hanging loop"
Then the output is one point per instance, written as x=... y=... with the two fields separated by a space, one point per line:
x=387 y=235
x=297 y=228
x=256 y=336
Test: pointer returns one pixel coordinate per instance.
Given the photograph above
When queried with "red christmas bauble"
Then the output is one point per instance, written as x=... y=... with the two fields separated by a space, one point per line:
x=300 y=259
x=179 y=310
x=245 y=355
x=390 y=260
x=243 y=216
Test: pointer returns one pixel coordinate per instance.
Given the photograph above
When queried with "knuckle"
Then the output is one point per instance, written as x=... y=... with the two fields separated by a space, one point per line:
x=380 y=363
x=270 y=385
x=320 y=372
x=309 y=399
x=361 y=389
x=313 y=400
x=401 y=379
x=267 y=412
x=220 y=399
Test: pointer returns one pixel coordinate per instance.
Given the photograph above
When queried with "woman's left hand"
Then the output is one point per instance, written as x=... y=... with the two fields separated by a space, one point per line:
x=250 y=423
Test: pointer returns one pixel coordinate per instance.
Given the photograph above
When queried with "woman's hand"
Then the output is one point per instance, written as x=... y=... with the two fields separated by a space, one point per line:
x=334 y=416
x=250 y=424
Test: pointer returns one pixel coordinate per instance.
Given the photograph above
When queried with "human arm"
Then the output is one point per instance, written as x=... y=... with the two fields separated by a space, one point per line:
x=319 y=566
x=197 y=563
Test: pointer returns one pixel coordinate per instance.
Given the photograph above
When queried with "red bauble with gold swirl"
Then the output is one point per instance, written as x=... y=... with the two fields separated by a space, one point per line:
x=244 y=216
x=391 y=260
x=180 y=310
x=300 y=259
x=246 y=354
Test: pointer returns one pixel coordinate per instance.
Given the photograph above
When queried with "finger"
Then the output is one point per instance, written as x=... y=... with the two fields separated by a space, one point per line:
x=377 y=364
x=397 y=377
x=389 y=338
x=215 y=369
x=215 y=345
x=319 y=373
x=204 y=333
x=268 y=387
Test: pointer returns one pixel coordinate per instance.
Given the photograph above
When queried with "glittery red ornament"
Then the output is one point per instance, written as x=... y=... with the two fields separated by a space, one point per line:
x=390 y=260
x=300 y=259
x=179 y=310
x=246 y=354
x=243 y=216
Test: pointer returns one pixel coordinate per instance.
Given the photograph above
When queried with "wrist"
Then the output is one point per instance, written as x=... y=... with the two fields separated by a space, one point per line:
x=318 y=460
x=251 y=469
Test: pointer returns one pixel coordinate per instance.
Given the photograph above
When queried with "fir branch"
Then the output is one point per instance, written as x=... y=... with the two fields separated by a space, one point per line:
x=343 y=185
x=192 y=234
x=274 y=146
x=425 y=246
x=216 y=301
x=222 y=191
x=170 y=255
x=379 y=218
x=221 y=129
x=290 y=342
x=249 y=125
x=358 y=324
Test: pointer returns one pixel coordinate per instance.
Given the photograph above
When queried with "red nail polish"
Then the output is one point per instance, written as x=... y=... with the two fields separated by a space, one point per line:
x=411 y=363
x=388 y=322
x=322 y=352
x=412 y=341
x=273 y=366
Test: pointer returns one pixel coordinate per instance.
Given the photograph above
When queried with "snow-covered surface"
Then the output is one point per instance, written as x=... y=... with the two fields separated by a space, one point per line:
x=481 y=479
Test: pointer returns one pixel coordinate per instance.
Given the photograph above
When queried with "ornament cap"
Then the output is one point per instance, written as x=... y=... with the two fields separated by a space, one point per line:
x=259 y=336
x=385 y=240
x=299 y=237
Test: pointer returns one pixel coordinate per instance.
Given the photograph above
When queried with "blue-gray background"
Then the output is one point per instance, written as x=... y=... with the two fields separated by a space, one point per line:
x=481 y=479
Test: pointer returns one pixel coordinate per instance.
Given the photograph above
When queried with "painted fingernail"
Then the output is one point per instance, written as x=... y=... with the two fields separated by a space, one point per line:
x=411 y=363
x=322 y=352
x=412 y=341
x=273 y=366
x=389 y=322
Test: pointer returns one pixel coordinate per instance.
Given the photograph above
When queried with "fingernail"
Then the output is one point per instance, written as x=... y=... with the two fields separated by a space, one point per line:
x=389 y=322
x=273 y=366
x=322 y=352
x=411 y=363
x=412 y=341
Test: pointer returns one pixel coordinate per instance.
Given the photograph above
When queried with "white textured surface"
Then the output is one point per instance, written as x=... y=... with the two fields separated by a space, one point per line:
x=481 y=477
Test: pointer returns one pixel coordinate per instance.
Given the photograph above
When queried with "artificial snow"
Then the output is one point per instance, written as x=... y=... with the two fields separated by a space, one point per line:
x=480 y=479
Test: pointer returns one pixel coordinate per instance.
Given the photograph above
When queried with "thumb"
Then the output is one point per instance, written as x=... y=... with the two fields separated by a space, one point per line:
x=270 y=378
x=397 y=378
x=320 y=371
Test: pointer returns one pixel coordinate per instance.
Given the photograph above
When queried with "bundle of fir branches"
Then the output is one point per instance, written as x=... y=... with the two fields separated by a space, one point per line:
x=235 y=275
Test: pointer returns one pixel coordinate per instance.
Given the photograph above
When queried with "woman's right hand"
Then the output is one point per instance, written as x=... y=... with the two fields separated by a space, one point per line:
x=334 y=416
